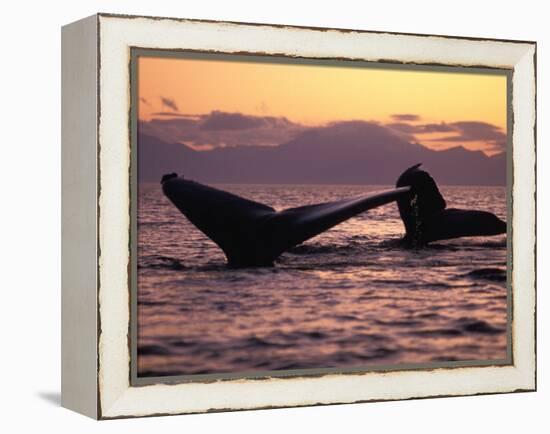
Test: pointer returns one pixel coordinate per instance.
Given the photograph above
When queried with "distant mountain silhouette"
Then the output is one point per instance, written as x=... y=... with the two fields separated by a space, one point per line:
x=353 y=152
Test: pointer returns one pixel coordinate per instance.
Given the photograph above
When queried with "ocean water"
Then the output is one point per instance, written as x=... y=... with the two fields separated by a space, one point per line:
x=350 y=297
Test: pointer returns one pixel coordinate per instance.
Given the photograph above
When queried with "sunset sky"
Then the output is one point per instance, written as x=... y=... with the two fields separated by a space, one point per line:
x=210 y=103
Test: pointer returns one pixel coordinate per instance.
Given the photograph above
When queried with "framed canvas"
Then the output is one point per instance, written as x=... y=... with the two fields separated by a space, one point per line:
x=262 y=216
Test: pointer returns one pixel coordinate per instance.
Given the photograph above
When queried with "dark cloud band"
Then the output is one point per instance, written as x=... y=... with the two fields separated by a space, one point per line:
x=221 y=129
x=405 y=117
x=169 y=103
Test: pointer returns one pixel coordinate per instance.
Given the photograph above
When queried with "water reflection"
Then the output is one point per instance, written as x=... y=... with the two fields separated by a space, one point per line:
x=349 y=297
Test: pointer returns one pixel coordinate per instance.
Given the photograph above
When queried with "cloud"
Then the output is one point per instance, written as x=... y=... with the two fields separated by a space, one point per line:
x=405 y=117
x=497 y=146
x=462 y=132
x=178 y=115
x=412 y=131
x=218 y=120
x=221 y=129
x=476 y=131
x=403 y=127
x=437 y=128
x=169 y=103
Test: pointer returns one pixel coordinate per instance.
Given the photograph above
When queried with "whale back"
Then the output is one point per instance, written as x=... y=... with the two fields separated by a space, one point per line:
x=427 y=219
x=456 y=223
x=423 y=202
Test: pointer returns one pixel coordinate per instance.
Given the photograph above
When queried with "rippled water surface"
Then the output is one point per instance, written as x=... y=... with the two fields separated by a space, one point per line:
x=350 y=297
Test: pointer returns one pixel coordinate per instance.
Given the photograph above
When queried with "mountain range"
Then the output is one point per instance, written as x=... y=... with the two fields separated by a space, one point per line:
x=354 y=152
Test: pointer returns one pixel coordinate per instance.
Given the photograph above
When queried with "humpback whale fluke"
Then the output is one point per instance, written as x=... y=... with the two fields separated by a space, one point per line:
x=426 y=218
x=253 y=234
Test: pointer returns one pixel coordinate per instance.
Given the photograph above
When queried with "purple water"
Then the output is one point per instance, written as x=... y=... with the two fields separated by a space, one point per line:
x=350 y=297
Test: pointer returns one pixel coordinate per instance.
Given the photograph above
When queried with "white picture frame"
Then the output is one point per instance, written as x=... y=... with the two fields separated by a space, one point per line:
x=96 y=182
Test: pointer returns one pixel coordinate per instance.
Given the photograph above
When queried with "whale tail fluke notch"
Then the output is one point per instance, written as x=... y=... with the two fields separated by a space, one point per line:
x=427 y=219
x=253 y=234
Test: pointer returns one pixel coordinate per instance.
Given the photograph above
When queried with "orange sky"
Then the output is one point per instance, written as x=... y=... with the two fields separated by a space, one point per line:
x=315 y=95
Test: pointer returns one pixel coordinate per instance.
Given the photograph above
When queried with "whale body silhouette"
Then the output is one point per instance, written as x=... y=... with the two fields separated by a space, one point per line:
x=254 y=234
x=426 y=217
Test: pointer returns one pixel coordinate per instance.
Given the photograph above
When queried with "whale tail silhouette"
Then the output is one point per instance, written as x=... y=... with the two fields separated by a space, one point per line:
x=253 y=234
x=426 y=218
